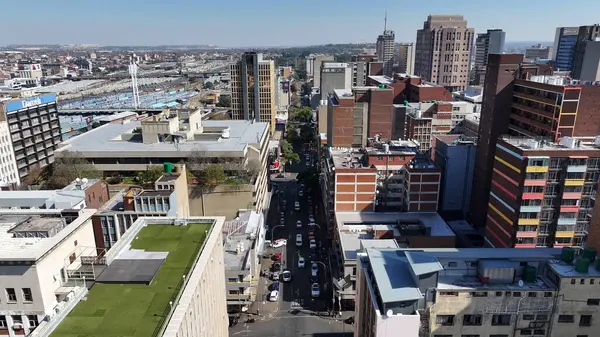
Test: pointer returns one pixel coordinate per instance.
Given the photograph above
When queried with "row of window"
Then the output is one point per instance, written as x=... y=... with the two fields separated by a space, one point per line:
x=497 y=293
x=18 y=319
x=505 y=319
x=11 y=295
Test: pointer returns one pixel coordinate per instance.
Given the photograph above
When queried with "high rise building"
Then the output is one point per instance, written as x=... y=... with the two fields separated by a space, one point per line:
x=585 y=35
x=405 y=58
x=564 y=47
x=253 y=89
x=590 y=67
x=443 y=51
x=316 y=67
x=335 y=75
x=385 y=49
x=538 y=52
x=491 y=42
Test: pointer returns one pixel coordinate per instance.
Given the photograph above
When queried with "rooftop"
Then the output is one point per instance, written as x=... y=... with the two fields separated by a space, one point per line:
x=41 y=199
x=105 y=140
x=119 y=115
x=564 y=144
x=347 y=158
x=394 y=147
x=126 y=309
x=239 y=237
x=343 y=93
x=560 y=80
x=382 y=79
x=565 y=269
x=455 y=140
x=32 y=248
x=392 y=274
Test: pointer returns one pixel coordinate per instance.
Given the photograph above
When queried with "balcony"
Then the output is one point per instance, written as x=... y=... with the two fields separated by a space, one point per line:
x=567 y=221
x=565 y=234
x=574 y=182
x=537 y=169
x=533 y=110
x=530 y=209
x=526 y=120
x=534 y=98
x=532 y=222
x=577 y=168
x=534 y=182
x=569 y=209
x=572 y=195
x=533 y=196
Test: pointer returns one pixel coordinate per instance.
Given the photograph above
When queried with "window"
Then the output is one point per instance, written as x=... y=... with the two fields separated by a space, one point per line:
x=498 y=293
x=472 y=320
x=541 y=317
x=33 y=321
x=572 y=281
x=498 y=335
x=3 y=321
x=501 y=320
x=478 y=294
x=566 y=318
x=585 y=320
x=232 y=279
x=592 y=281
x=528 y=317
x=27 y=296
x=547 y=294
x=593 y=301
x=452 y=264
x=531 y=294
x=526 y=332
x=516 y=294
x=582 y=281
x=17 y=319
x=469 y=335
x=446 y=320
x=539 y=332
x=442 y=336
x=448 y=293
x=11 y=295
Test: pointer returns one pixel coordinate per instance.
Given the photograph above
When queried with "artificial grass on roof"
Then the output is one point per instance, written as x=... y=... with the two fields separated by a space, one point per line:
x=135 y=310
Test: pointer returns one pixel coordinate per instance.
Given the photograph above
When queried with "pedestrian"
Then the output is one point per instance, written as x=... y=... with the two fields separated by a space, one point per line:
x=257 y=312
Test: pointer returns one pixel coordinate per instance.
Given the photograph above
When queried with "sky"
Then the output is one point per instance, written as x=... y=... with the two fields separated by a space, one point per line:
x=257 y=23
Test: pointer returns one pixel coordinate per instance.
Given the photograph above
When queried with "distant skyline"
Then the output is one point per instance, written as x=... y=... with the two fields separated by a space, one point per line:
x=258 y=23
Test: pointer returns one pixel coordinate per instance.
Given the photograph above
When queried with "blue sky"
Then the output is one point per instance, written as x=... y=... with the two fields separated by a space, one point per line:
x=248 y=23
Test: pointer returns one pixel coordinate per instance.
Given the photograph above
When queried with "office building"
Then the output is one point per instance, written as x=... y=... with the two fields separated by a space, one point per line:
x=134 y=146
x=335 y=75
x=455 y=155
x=478 y=292
x=34 y=131
x=30 y=72
x=244 y=241
x=386 y=50
x=362 y=69
x=538 y=52
x=173 y=284
x=50 y=246
x=405 y=58
x=585 y=35
x=9 y=174
x=590 y=67
x=443 y=51
x=169 y=198
x=491 y=42
x=565 y=41
x=253 y=89
x=316 y=66
x=542 y=193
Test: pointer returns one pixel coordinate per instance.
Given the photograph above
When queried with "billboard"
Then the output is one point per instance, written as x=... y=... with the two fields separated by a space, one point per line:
x=29 y=102
x=285 y=86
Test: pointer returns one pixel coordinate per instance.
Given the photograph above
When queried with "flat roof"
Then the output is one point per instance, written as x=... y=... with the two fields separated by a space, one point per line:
x=48 y=199
x=128 y=309
x=240 y=235
x=347 y=220
x=118 y=115
x=392 y=274
x=32 y=249
x=105 y=140
x=347 y=158
x=382 y=79
x=530 y=144
x=568 y=269
x=343 y=93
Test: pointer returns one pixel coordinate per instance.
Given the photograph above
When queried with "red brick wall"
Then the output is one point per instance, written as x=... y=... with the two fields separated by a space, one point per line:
x=96 y=195
x=380 y=113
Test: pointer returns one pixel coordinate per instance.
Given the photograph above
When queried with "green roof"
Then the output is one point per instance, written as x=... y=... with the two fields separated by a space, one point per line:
x=137 y=310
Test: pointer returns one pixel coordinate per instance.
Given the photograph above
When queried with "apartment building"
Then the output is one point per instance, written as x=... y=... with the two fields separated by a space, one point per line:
x=469 y=127
x=335 y=75
x=169 y=198
x=244 y=243
x=405 y=58
x=181 y=259
x=385 y=51
x=443 y=51
x=134 y=146
x=421 y=185
x=455 y=156
x=357 y=231
x=472 y=94
x=362 y=68
x=40 y=253
x=29 y=70
x=34 y=131
x=253 y=81
x=9 y=175
x=542 y=193
x=538 y=52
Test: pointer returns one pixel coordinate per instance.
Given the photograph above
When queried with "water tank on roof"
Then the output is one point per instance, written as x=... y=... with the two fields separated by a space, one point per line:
x=386 y=148
x=529 y=274
x=168 y=167
x=589 y=253
x=567 y=254
x=405 y=103
x=582 y=265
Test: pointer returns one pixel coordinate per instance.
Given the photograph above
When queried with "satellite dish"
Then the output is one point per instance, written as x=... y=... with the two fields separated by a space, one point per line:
x=520 y=283
x=78 y=180
x=84 y=180
x=389 y=313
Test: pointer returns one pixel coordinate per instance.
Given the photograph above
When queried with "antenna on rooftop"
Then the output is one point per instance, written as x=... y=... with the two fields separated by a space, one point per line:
x=133 y=68
x=385 y=22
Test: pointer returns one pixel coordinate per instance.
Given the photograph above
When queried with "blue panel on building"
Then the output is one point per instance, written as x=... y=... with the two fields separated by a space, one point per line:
x=29 y=102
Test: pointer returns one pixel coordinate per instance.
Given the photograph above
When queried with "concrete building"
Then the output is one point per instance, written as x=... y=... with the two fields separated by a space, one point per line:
x=362 y=69
x=29 y=70
x=169 y=198
x=405 y=58
x=41 y=252
x=335 y=75
x=542 y=193
x=180 y=258
x=469 y=127
x=253 y=89
x=134 y=146
x=34 y=131
x=590 y=68
x=585 y=35
x=455 y=155
x=385 y=50
x=443 y=51
x=472 y=94
x=538 y=52
x=244 y=243
x=565 y=42
x=316 y=66
x=9 y=174
x=357 y=231
x=491 y=42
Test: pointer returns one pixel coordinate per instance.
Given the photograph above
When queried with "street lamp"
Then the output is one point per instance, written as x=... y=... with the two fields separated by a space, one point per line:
x=332 y=286
x=273 y=230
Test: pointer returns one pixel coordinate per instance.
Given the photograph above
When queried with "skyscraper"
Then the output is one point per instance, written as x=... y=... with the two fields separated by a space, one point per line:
x=564 y=47
x=385 y=49
x=405 y=58
x=491 y=42
x=443 y=51
x=253 y=89
x=586 y=34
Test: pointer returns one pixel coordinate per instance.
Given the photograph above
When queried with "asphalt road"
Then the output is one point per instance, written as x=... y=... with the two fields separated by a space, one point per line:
x=299 y=314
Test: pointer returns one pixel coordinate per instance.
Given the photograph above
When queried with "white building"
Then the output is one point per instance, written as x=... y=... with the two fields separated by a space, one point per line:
x=9 y=175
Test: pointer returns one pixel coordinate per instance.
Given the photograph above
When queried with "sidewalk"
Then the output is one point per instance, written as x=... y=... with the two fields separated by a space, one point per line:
x=261 y=308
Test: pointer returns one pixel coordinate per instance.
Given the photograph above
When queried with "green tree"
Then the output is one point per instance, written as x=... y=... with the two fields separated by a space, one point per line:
x=303 y=114
x=224 y=101
x=287 y=153
x=209 y=85
x=151 y=174
x=212 y=175
x=70 y=166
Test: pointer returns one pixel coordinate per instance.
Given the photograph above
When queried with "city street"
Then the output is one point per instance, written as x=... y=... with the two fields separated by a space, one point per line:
x=299 y=313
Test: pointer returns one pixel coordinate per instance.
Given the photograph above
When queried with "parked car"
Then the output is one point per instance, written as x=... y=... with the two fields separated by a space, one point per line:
x=314 y=290
x=274 y=286
x=301 y=262
x=314 y=279
x=301 y=193
x=299 y=240
x=314 y=269
x=275 y=276
x=274 y=296
x=298 y=224
x=276 y=257
x=297 y=206
x=313 y=243
x=276 y=266
x=286 y=276
x=279 y=243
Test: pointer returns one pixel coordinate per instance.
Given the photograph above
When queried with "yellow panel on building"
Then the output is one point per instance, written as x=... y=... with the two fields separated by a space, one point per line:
x=537 y=169
x=531 y=222
x=574 y=182
x=565 y=234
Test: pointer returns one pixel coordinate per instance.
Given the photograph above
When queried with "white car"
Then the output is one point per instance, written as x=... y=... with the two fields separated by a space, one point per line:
x=299 y=240
x=307 y=163
x=313 y=243
x=311 y=218
x=314 y=269
x=314 y=290
x=286 y=276
x=301 y=262
x=297 y=206
x=299 y=224
x=301 y=193
x=282 y=221
x=279 y=243
x=274 y=295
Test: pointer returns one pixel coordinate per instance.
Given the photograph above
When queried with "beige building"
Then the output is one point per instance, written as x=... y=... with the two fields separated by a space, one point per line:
x=248 y=100
x=443 y=50
x=405 y=58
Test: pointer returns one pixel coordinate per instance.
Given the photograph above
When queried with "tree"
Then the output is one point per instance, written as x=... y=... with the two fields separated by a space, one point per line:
x=306 y=88
x=294 y=88
x=209 y=85
x=70 y=166
x=303 y=114
x=34 y=177
x=212 y=175
x=151 y=174
x=287 y=153
x=224 y=101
